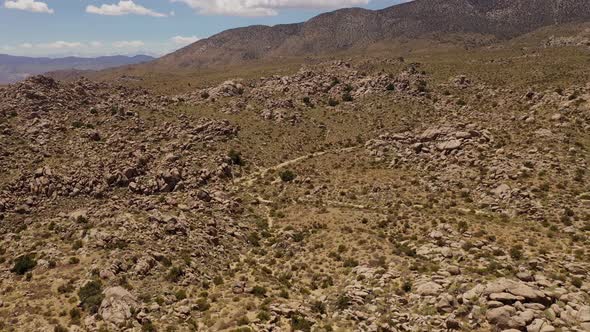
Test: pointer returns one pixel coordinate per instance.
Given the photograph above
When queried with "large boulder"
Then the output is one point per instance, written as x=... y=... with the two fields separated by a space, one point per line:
x=116 y=307
x=429 y=289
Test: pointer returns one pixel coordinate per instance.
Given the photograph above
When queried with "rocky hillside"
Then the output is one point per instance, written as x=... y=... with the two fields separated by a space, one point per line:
x=357 y=28
x=370 y=194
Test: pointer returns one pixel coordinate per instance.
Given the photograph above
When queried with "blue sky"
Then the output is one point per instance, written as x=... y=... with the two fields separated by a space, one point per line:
x=155 y=27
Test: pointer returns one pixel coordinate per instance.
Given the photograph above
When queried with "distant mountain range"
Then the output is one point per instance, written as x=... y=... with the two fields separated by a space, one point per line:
x=347 y=29
x=16 y=68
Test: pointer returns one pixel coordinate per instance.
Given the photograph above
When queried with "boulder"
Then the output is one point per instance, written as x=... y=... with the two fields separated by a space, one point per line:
x=501 y=317
x=429 y=289
x=449 y=145
x=117 y=305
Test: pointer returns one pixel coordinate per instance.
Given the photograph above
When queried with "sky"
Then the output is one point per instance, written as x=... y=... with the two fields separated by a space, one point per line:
x=57 y=28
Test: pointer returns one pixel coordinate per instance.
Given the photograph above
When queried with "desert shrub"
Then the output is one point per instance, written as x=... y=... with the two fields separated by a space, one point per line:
x=287 y=175
x=254 y=239
x=343 y=302
x=516 y=252
x=299 y=323
x=263 y=316
x=202 y=304
x=347 y=97
x=332 y=102
x=318 y=307
x=148 y=327
x=174 y=274
x=235 y=157
x=243 y=321
x=91 y=296
x=75 y=315
x=462 y=226
x=350 y=262
x=390 y=87
x=65 y=288
x=577 y=282
x=406 y=286
x=180 y=294
x=24 y=264
x=259 y=291
x=298 y=237
x=77 y=244
x=218 y=280
x=60 y=328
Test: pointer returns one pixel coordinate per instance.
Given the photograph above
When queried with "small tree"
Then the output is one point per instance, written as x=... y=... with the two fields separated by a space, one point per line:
x=91 y=296
x=24 y=264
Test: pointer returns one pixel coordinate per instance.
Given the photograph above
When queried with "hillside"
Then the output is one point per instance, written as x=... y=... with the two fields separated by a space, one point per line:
x=358 y=28
x=430 y=193
x=411 y=180
x=15 y=68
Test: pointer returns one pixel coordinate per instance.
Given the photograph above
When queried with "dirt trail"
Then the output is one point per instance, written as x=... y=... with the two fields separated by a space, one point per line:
x=251 y=179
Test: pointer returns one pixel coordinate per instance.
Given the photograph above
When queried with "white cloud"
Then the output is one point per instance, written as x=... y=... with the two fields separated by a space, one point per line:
x=124 y=7
x=263 y=7
x=60 y=45
x=181 y=40
x=96 y=47
x=28 y=5
x=128 y=44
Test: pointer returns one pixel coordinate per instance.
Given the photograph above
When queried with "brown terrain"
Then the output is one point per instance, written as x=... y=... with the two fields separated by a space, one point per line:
x=434 y=183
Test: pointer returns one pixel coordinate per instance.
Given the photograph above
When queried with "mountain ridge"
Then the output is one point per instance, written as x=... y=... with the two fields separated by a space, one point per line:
x=14 y=68
x=357 y=28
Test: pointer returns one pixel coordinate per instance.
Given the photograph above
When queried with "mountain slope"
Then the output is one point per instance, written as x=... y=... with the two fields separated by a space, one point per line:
x=15 y=68
x=356 y=28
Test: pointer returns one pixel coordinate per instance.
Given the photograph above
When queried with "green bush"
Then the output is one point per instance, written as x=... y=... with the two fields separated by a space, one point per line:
x=263 y=316
x=235 y=157
x=91 y=296
x=202 y=304
x=350 y=262
x=516 y=252
x=299 y=323
x=24 y=264
x=254 y=239
x=75 y=315
x=259 y=291
x=343 y=302
x=180 y=295
x=148 y=327
x=77 y=244
x=287 y=175
x=59 y=328
x=318 y=307
x=174 y=274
